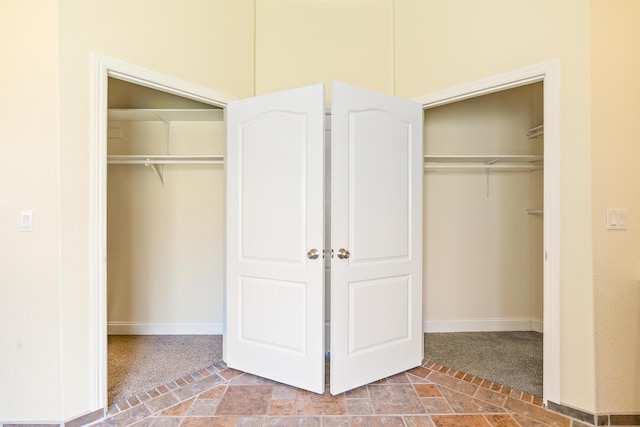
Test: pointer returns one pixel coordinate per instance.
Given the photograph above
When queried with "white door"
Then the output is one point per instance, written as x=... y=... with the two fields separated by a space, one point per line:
x=376 y=236
x=274 y=291
x=274 y=279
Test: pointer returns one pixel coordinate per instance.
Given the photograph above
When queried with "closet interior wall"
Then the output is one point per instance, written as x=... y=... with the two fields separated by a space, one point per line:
x=164 y=241
x=483 y=257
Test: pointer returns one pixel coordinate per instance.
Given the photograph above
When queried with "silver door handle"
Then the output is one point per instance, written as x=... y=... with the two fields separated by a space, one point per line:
x=313 y=254
x=343 y=253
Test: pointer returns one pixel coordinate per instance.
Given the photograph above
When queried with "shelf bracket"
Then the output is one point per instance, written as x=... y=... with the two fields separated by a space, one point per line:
x=167 y=133
x=487 y=174
x=159 y=173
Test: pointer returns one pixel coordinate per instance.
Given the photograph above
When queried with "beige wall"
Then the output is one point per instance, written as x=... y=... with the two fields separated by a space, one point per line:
x=30 y=308
x=615 y=107
x=435 y=45
x=299 y=43
x=440 y=45
x=200 y=41
x=480 y=249
x=165 y=242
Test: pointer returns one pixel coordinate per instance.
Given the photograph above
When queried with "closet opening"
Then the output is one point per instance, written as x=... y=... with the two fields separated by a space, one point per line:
x=164 y=237
x=483 y=236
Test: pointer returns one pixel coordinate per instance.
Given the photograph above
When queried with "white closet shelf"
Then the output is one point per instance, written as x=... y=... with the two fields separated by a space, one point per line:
x=506 y=162
x=173 y=159
x=167 y=115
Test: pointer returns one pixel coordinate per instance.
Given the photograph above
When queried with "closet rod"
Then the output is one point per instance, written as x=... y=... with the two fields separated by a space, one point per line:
x=432 y=166
x=165 y=160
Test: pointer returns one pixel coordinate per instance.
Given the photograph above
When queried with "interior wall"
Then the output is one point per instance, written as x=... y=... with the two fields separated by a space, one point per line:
x=615 y=108
x=199 y=41
x=165 y=242
x=439 y=45
x=481 y=252
x=30 y=309
x=299 y=43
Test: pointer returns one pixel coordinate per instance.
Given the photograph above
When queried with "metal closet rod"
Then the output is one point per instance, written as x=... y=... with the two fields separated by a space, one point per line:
x=165 y=160
x=434 y=166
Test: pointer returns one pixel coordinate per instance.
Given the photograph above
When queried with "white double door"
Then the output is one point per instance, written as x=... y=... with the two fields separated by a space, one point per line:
x=275 y=254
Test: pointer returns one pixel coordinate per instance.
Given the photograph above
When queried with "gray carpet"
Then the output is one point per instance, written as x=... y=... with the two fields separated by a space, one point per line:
x=139 y=363
x=508 y=358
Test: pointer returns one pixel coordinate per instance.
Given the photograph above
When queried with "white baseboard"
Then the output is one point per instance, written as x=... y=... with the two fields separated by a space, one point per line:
x=484 y=325
x=140 y=328
x=537 y=325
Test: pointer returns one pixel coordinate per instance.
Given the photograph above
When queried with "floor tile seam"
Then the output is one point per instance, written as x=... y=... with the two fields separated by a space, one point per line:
x=446 y=401
x=171 y=386
x=510 y=416
x=179 y=402
x=541 y=423
x=478 y=381
x=172 y=391
x=502 y=406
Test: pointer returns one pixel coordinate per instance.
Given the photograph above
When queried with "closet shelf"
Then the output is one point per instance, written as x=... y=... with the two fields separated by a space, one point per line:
x=172 y=159
x=167 y=115
x=501 y=162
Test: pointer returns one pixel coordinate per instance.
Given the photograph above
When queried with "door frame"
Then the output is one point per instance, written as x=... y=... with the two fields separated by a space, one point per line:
x=549 y=74
x=103 y=67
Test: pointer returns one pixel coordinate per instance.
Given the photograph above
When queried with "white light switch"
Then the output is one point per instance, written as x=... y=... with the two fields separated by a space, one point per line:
x=26 y=221
x=616 y=219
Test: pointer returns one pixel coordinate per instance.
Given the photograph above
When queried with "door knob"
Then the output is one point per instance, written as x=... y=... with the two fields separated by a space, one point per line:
x=343 y=253
x=313 y=254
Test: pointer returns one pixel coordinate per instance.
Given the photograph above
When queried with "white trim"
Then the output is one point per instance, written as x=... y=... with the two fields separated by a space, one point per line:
x=537 y=325
x=485 y=86
x=154 y=328
x=549 y=73
x=483 y=325
x=103 y=67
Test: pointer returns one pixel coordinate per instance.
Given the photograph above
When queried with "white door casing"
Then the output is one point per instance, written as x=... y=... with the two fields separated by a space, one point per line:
x=274 y=292
x=549 y=73
x=376 y=214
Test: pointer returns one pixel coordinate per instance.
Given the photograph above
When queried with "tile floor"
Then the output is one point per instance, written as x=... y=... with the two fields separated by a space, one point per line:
x=430 y=395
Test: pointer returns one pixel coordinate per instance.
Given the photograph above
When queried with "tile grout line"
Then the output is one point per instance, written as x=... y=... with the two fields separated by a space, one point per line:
x=217 y=368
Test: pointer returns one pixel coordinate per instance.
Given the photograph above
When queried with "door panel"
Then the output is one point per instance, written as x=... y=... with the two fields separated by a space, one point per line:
x=376 y=202
x=274 y=293
x=273 y=153
x=370 y=330
x=378 y=175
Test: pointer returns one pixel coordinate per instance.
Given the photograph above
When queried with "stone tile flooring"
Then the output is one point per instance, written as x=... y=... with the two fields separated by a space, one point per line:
x=430 y=395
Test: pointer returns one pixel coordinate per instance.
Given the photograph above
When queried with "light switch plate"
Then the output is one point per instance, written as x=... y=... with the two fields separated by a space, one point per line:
x=616 y=219
x=26 y=221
